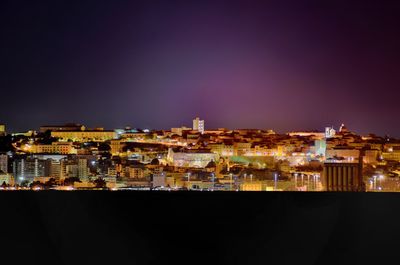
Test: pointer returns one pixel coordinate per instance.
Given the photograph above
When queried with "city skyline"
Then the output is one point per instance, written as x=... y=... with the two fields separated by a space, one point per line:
x=246 y=64
x=75 y=157
x=37 y=128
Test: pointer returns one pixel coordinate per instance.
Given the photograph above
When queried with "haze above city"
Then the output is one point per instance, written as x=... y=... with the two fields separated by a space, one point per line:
x=238 y=64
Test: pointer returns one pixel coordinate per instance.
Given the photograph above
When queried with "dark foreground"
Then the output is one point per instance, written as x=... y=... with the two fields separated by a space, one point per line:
x=96 y=227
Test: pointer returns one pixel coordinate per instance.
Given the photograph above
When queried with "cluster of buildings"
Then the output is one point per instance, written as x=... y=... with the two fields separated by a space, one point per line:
x=73 y=156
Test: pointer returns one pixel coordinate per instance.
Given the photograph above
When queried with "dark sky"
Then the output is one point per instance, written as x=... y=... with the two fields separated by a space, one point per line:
x=157 y=64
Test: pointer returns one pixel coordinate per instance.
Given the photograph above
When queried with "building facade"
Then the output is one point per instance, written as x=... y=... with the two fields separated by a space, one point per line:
x=337 y=176
x=4 y=163
x=198 y=125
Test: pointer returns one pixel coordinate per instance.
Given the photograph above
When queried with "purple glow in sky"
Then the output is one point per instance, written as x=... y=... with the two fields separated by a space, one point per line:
x=285 y=66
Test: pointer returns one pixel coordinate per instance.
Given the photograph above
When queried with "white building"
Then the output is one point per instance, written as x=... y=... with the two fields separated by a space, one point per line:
x=329 y=132
x=199 y=159
x=320 y=147
x=83 y=170
x=198 y=125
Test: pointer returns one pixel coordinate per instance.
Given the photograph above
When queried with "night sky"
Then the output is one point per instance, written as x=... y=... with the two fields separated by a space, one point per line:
x=237 y=64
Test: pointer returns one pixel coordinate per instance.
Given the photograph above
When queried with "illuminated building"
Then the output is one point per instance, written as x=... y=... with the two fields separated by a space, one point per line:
x=252 y=186
x=320 y=147
x=2 y=130
x=7 y=179
x=3 y=163
x=180 y=130
x=115 y=171
x=159 y=180
x=241 y=148
x=198 y=125
x=191 y=158
x=134 y=172
x=83 y=168
x=84 y=185
x=71 y=170
x=116 y=146
x=86 y=135
x=54 y=148
x=371 y=156
x=41 y=179
x=56 y=169
x=222 y=149
x=112 y=171
x=317 y=135
x=27 y=134
x=339 y=176
x=75 y=167
x=29 y=168
x=133 y=135
x=198 y=185
x=391 y=154
x=192 y=137
x=343 y=152
x=329 y=132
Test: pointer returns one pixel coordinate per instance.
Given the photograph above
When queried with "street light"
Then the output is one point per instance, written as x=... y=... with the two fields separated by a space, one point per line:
x=231 y=175
x=381 y=177
x=374 y=185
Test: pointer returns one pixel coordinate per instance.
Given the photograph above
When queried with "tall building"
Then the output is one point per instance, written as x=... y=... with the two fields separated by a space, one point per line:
x=29 y=168
x=198 y=125
x=4 y=163
x=82 y=168
x=343 y=176
x=320 y=147
x=56 y=170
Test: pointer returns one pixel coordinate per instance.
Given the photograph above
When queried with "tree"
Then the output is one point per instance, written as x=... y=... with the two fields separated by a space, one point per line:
x=100 y=183
x=155 y=161
x=103 y=147
x=46 y=138
x=50 y=183
x=25 y=183
x=70 y=181
x=6 y=143
x=36 y=184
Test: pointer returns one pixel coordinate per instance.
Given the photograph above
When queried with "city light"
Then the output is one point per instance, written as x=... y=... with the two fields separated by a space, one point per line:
x=149 y=160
